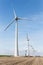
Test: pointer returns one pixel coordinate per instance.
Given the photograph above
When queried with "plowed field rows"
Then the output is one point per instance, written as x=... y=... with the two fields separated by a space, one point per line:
x=21 y=60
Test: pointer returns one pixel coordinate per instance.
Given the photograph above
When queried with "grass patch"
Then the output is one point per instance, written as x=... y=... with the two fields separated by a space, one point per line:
x=6 y=55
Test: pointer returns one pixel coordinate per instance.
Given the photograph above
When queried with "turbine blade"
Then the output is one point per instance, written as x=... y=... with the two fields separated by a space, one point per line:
x=14 y=13
x=24 y=19
x=9 y=25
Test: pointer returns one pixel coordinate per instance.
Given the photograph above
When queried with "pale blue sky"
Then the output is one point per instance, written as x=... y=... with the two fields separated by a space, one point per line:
x=32 y=9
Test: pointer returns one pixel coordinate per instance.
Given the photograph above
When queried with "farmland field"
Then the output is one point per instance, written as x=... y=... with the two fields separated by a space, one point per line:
x=21 y=60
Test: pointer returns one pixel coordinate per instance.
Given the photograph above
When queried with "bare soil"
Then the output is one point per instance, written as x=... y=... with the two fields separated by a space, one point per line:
x=21 y=60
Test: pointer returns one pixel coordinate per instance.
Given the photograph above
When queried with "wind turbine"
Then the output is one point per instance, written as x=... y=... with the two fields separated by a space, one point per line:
x=28 y=44
x=34 y=51
x=16 y=31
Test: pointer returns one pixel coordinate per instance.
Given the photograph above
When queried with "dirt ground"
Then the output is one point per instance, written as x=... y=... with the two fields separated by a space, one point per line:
x=21 y=60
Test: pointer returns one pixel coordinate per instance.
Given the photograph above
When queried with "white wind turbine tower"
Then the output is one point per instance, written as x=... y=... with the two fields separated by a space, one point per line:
x=28 y=44
x=16 y=31
x=34 y=51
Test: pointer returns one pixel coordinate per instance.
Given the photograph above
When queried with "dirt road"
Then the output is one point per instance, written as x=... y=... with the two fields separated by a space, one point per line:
x=21 y=60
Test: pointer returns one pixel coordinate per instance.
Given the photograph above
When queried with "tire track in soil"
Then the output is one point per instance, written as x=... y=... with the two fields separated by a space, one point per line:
x=13 y=62
x=20 y=62
x=26 y=61
x=23 y=62
x=36 y=61
x=30 y=62
x=41 y=60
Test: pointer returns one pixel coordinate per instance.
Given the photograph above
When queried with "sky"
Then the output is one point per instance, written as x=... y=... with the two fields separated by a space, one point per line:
x=31 y=9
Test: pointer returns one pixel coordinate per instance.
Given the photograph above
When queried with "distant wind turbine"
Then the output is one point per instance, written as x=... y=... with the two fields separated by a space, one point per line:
x=16 y=31
x=28 y=44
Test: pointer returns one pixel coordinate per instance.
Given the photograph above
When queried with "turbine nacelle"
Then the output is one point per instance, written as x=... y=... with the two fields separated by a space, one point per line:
x=16 y=18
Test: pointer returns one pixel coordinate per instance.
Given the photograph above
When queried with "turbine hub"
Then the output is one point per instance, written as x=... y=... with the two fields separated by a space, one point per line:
x=16 y=18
